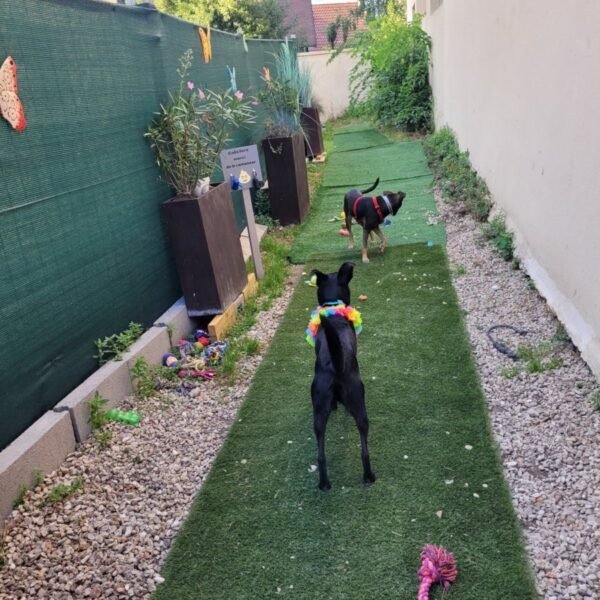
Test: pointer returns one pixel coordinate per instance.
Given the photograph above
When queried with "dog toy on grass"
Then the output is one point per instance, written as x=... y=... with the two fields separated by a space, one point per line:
x=343 y=232
x=437 y=566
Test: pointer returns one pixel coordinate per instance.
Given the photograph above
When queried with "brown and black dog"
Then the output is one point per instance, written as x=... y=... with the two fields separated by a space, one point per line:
x=370 y=212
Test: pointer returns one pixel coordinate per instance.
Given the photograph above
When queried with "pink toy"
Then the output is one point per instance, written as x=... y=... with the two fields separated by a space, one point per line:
x=343 y=232
x=437 y=566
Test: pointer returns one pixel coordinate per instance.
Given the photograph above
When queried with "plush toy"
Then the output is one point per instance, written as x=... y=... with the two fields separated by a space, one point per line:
x=213 y=353
x=202 y=338
x=185 y=348
x=437 y=566
x=197 y=374
x=343 y=232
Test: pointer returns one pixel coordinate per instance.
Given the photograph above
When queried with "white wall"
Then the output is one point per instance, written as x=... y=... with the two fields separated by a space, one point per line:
x=331 y=82
x=519 y=83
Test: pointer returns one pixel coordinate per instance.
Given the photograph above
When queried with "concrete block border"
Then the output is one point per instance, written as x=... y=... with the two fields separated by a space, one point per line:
x=45 y=444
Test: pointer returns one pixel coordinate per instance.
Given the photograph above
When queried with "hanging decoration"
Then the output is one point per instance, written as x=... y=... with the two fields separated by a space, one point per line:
x=206 y=47
x=10 y=105
x=231 y=71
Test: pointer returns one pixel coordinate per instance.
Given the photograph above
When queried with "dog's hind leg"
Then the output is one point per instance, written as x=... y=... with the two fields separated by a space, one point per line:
x=320 y=424
x=365 y=246
x=322 y=400
x=356 y=407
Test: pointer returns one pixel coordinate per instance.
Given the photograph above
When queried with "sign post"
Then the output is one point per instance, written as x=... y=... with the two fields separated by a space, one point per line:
x=242 y=166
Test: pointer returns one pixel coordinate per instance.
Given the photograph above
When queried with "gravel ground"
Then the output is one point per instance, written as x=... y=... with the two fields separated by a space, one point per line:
x=544 y=423
x=110 y=539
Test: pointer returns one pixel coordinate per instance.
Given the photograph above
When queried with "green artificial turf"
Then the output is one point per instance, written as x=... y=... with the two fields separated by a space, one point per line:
x=355 y=140
x=411 y=224
x=400 y=166
x=260 y=528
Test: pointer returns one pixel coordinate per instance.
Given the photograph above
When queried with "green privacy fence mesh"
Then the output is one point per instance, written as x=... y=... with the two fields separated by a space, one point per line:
x=83 y=250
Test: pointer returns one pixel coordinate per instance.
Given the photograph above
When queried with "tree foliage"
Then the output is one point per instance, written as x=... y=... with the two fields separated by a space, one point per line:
x=257 y=18
x=393 y=67
x=332 y=31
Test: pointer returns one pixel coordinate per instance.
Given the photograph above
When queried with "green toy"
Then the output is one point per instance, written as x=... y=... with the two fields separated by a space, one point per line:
x=130 y=417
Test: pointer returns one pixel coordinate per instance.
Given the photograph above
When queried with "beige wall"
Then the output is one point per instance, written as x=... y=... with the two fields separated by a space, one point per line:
x=331 y=82
x=519 y=83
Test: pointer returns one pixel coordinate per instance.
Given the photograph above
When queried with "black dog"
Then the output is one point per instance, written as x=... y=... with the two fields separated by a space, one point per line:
x=370 y=212
x=337 y=376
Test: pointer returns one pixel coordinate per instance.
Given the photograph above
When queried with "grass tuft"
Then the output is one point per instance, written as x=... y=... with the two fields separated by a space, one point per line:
x=61 y=491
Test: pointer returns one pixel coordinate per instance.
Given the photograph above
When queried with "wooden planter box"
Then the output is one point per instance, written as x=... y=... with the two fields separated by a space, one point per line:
x=288 y=180
x=207 y=250
x=311 y=123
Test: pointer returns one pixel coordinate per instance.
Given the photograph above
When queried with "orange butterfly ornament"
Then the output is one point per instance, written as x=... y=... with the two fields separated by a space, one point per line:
x=10 y=105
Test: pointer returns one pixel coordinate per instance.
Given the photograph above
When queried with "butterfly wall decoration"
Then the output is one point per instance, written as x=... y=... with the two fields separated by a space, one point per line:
x=11 y=108
x=206 y=45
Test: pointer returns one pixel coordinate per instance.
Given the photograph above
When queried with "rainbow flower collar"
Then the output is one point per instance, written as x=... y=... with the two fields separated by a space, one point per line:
x=337 y=308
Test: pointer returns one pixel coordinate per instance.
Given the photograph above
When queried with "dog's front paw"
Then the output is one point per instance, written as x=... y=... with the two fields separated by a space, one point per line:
x=365 y=260
x=369 y=477
x=351 y=246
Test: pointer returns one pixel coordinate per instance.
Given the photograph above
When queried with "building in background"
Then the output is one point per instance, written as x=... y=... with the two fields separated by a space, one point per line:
x=326 y=12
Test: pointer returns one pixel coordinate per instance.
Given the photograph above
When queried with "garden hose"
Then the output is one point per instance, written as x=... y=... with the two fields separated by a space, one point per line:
x=499 y=345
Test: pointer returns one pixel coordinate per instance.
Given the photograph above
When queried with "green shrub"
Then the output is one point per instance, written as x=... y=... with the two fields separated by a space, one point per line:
x=143 y=378
x=393 y=65
x=456 y=178
x=114 y=345
x=98 y=416
x=500 y=238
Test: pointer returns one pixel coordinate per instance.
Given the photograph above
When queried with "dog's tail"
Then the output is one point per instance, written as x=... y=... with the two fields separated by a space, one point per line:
x=371 y=188
x=339 y=356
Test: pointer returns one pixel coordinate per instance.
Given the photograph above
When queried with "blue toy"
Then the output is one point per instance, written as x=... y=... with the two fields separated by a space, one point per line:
x=235 y=183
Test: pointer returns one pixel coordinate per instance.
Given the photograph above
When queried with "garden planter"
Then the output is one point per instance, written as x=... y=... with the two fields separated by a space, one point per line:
x=207 y=250
x=311 y=124
x=288 y=180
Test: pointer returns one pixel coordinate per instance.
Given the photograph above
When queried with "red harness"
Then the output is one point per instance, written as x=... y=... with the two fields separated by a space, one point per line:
x=375 y=206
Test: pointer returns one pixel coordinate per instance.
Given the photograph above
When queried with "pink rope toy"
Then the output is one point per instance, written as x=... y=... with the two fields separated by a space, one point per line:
x=437 y=566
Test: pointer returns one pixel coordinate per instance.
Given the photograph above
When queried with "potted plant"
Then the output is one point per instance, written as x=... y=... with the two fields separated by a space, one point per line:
x=283 y=148
x=309 y=114
x=187 y=136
